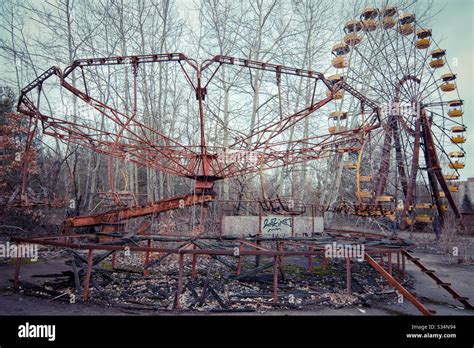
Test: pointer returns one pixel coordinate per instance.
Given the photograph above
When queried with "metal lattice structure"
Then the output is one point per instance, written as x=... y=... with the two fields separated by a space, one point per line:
x=203 y=161
x=409 y=166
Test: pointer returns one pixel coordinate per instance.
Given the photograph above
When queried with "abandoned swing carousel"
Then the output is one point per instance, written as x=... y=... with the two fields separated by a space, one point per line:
x=388 y=121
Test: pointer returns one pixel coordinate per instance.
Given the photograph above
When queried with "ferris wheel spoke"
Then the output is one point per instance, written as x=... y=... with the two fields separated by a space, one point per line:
x=399 y=65
x=382 y=74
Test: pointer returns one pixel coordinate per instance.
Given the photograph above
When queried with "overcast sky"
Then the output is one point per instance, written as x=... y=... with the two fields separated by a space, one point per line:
x=454 y=31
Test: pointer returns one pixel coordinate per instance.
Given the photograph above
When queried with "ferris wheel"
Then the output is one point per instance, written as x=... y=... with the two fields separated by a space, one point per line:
x=408 y=168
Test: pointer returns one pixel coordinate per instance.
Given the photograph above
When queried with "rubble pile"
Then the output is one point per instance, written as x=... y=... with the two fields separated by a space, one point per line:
x=216 y=288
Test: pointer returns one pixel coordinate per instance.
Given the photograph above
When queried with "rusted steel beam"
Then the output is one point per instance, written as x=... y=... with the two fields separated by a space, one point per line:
x=400 y=160
x=147 y=259
x=314 y=249
x=239 y=264
x=392 y=281
x=193 y=265
x=275 y=279
x=281 y=261
x=411 y=188
x=435 y=170
x=389 y=261
x=16 y=279
x=348 y=275
x=180 y=280
x=114 y=256
x=134 y=212
x=120 y=60
x=439 y=282
x=325 y=262
x=87 y=281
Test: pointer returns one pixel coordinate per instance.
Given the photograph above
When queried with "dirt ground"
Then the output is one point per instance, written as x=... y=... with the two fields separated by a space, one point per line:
x=435 y=298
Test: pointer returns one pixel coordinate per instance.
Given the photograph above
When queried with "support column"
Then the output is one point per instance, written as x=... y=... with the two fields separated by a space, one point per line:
x=275 y=280
x=194 y=271
x=180 y=281
x=147 y=259
x=389 y=261
x=85 y=294
x=348 y=275
x=16 y=280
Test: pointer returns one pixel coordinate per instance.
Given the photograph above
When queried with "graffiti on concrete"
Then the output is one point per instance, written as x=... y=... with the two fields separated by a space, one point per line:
x=277 y=226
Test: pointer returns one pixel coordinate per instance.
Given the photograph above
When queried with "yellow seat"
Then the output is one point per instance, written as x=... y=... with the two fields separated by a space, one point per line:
x=406 y=29
x=456 y=165
x=353 y=26
x=455 y=156
x=350 y=165
x=458 y=139
x=453 y=188
x=437 y=63
x=365 y=178
x=448 y=87
x=369 y=25
x=423 y=205
x=388 y=22
x=335 y=78
x=341 y=115
x=337 y=96
x=423 y=36
x=340 y=49
x=423 y=218
x=450 y=177
x=384 y=198
x=336 y=129
x=364 y=194
x=455 y=113
x=437 y=58
x=352 y=39
x=422 y=44
x=340 y=62
x=448 y=84
x=455 y=108
x=458 y=129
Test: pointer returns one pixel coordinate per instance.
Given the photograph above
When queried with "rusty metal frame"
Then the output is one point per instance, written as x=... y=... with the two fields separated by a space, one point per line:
x=276 y=248
x=167 y=155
